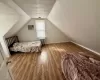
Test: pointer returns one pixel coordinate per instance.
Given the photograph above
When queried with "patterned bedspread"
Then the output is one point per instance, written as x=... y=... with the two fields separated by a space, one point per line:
x=79 y=67
x=26 y=47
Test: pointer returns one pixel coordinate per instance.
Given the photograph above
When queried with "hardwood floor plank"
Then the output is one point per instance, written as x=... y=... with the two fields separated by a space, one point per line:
x=45 y=65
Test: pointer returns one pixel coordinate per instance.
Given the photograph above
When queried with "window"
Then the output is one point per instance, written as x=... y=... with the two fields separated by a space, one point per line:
x=40 y=29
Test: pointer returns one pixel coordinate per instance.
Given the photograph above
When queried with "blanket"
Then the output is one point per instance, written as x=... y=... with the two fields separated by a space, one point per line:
x=79 y=67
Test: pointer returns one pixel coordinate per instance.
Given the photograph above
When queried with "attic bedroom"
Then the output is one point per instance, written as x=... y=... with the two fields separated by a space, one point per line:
x=49 y=40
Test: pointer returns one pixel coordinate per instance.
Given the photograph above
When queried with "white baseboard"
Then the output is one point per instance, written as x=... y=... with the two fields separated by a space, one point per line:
x=57 y=42
x=97 y=53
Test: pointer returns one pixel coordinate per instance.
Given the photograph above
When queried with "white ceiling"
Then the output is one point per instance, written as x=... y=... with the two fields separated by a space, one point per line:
x=36 y=8
x=8 y=18
x=5 y=10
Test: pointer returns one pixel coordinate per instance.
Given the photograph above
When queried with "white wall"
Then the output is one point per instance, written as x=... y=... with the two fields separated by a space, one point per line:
x=98 y=28
x=78 y=20
x=12 y=18
x=5 y=47
x=53 y=34
x=27 y=35
x=23 y=18
x=8 y=18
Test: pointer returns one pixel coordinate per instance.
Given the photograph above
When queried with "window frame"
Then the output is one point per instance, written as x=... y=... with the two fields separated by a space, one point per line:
x=41 y=30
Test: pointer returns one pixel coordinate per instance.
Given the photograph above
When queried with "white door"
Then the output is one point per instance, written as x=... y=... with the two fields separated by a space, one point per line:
x=4 y=72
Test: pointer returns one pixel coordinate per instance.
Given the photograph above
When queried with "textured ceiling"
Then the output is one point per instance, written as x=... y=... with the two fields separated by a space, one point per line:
x=36 y=8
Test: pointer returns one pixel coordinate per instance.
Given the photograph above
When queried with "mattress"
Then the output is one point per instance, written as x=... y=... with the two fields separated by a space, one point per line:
x=79 y=67
x=26 y=47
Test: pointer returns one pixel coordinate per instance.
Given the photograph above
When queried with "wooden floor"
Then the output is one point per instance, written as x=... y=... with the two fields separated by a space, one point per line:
x=45 y=65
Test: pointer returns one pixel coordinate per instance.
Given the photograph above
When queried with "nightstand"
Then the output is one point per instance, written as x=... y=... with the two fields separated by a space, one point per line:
x=42 y=42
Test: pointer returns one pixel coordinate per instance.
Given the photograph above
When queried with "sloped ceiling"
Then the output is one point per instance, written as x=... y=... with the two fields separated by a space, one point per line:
x=36 y=8
x=80 y=20
x=23 y=18
x=28 y=9
x=8 y=18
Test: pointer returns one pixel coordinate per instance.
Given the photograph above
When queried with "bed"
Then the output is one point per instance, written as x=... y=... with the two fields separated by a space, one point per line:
x=16 y=46
x=79 y=67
